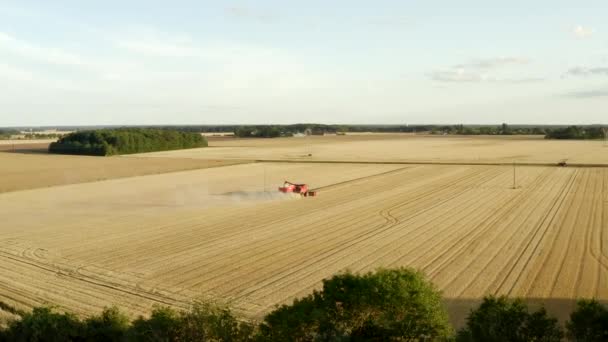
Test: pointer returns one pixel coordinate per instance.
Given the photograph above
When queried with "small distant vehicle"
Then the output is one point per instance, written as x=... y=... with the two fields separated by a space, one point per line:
x=302 y=189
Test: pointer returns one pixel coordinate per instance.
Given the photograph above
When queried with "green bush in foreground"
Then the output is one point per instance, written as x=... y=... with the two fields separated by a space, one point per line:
x=384 y=305
x=500 y=319
x=42 y=324
x=106 y=142
x=203 y=322
x=589 y=322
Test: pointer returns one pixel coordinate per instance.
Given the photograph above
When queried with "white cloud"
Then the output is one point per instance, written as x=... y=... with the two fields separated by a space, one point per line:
x=583 y=32
x=491 y=63
x=456 y=75
x=587 y=94
x=482 y=70
x=584 y=71
x=249 y=13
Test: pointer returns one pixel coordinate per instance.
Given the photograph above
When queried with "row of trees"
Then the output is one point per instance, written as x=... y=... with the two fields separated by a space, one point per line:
x=576 y=132
x=106 y=142
x=6 y=133
x=503 y=129
x=557 y=132
x=386 y=305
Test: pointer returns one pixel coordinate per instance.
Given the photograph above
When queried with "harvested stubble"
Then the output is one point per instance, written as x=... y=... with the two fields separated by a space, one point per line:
x=170 y=238
x=405 y=148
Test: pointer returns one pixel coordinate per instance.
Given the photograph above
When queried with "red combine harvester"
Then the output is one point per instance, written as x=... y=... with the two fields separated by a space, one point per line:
x=301 y=189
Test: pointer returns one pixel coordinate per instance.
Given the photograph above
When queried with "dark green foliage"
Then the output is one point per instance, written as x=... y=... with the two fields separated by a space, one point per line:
x=106 y=142
x=383 y=305
x=589 y=322
x=575 y=132
x=111 y=325
x=499 y=319
x=6 y=133
x=211 y=322
x=42 y=324
x=163 y=325
x=260 y=132
x=204 y=322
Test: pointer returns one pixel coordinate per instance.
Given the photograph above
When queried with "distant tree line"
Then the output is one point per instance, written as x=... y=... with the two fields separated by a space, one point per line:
x=503 y=129
x=42 y=135
x=576 y=132
x=386 y=305
x=273 y=131
x=7 y=133
x=106 y=142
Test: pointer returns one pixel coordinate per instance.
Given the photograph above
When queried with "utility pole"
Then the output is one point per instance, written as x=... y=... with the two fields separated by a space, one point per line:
x=514 y=177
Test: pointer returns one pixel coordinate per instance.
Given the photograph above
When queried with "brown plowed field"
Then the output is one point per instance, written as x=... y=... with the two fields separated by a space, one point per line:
x=225 y=233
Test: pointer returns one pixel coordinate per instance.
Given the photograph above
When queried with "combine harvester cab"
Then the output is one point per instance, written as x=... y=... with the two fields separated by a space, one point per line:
x=302 y=189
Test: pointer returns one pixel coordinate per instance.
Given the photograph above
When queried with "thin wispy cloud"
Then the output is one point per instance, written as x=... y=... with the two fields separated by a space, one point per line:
x=249 y=14
x=585 y=71
x=491 y=63
x=482 y=70
x=586 y=94
x=582 y=32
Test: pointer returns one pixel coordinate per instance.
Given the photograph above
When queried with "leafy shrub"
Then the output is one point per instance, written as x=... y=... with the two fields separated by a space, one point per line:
x=105 y=142
x=589 y=322
x=508 y=320
x=163 y=325
x=110 y=325
x=381 y=305
x=42 y=324
x=204 y=322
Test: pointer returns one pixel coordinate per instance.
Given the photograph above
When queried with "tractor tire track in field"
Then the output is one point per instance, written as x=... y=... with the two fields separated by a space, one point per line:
x=461 y=224
x=324 y=257
x=345 y=214
x=577 y=207
x=422 y=229
x=540 y=232
x=63 y=273
x=514 y=203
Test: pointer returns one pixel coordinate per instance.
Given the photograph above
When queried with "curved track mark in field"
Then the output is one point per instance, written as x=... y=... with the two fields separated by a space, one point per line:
x=474 y=181
x=391 y=209
x=284 y=248
x=141 y=294
x=422 y=230
x=341 y=247
x=268 y=221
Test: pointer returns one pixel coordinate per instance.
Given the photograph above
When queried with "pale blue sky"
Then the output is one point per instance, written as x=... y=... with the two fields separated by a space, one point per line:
x=223 y=62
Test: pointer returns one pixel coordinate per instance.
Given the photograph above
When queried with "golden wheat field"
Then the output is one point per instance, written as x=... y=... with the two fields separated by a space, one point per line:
x=224 y=233
x=405 y=148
